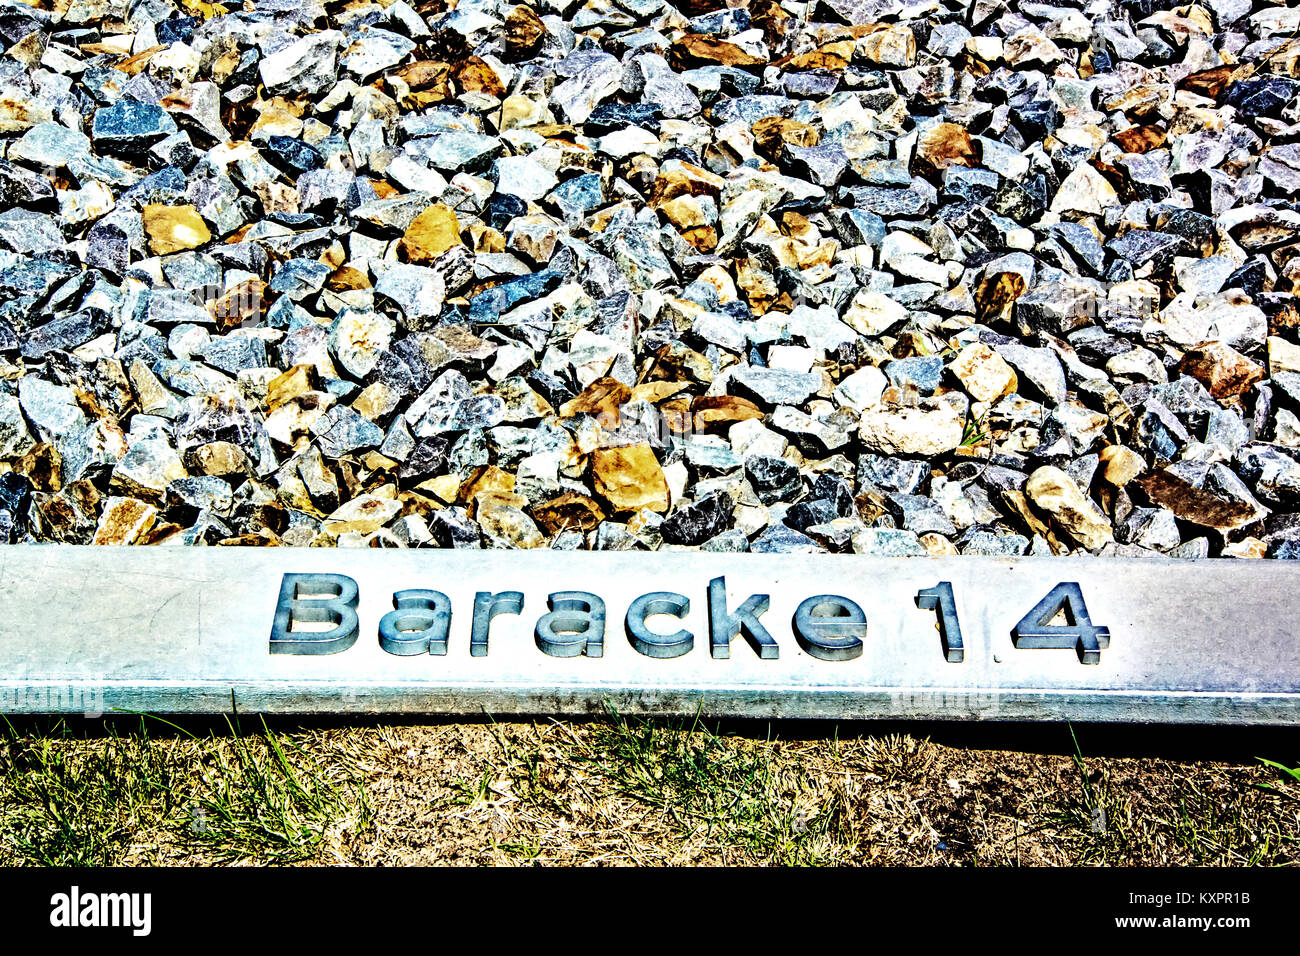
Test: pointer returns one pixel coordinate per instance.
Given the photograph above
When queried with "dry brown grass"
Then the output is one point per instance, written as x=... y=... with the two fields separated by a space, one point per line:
x=640 y=793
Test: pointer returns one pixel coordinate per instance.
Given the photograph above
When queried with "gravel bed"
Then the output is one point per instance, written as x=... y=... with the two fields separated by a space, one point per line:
x=849 y=275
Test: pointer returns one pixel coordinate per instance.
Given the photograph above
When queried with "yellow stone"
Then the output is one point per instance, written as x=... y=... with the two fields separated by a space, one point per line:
x=446 y=488
x=174 y=228
x=430 y=234
x=656 y=391
x=520 y=111
x=983 y=373
x=364 y=514
x=630 y=478
x=289 y=385
x=1121 y=465
x=937 y=544
x=1282 y=355
x=219 y=458
x=679 y=178
x=125 y=521
x=488 y=478
x=1246 y=548
x=486 y=239
x=1056 y=494
x=375 y=401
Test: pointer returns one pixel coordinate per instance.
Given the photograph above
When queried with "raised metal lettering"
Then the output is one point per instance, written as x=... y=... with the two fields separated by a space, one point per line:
x=647 y=641
x=830 y=627
x=940 y=598
x=315 y=599
x=1078 y=632
x=418 y=625
x=724 y=627
x=574 y=626
x=486 y=607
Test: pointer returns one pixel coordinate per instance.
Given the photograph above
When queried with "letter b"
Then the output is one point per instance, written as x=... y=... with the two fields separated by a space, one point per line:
x=315 y=599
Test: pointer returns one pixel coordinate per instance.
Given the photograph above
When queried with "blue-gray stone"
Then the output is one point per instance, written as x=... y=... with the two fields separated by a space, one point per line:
x=130 y=127
x=925 y=372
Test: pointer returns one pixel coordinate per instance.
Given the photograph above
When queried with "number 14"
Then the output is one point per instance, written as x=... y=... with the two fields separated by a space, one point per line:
x=1033 y=630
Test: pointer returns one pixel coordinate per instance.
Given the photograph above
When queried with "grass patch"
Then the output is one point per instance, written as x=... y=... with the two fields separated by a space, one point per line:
x=617 y=791
x=1175 y=816
x=723 y=792
x=70 y=798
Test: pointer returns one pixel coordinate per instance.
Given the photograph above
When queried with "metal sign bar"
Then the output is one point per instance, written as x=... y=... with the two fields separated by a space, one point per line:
x=315 y=631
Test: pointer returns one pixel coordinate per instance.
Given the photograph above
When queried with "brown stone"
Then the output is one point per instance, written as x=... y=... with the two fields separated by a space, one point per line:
x=425 y=76
x=1221 y=369
x=767 y=16
x=655 y=392
x=18 y=113
x=944 y=145
x=773 y=132
x=677 y=416
x=437 y=90
x=132 y=65
x=174 y=228
x=42 y=466
x=430 y=234
x=243 y=303
x=677 y=178
x=68 y=515
x=524 y=33
x=487 y=479
x=1251 y=548
x=264 y=538
x=997 y=294
x=687 y=215
x=486 y=239
x=219 y=458
x=1141 y=139
x=474 y=75
x=1193 y=505
x=675 y=362
x=630 y=478
x=124 y=521
x=697 y=8
x=601 y=398
x=376 y=401
x=831 y=56
x=383 y=189
x=640 y=170
x=758 y=285
x=694 y=50
x=289 y=385
x=1285 y=319
x=568 y=512
x=722 y=410
x=163 y=532
x=347 y=279
x=1208 y=83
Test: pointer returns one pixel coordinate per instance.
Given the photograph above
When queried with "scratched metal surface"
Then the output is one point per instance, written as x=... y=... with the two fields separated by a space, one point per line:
x=170 y=631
